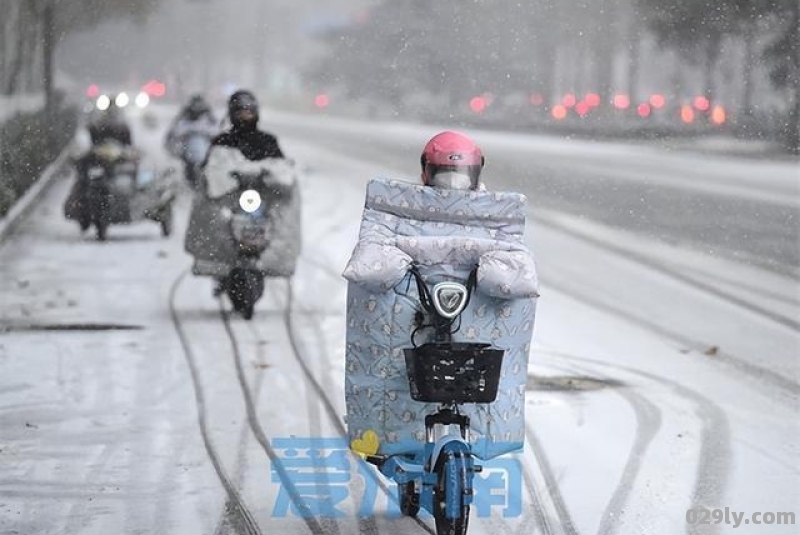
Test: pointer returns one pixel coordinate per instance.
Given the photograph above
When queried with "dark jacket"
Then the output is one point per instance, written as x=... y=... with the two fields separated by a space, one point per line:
x=254 y=144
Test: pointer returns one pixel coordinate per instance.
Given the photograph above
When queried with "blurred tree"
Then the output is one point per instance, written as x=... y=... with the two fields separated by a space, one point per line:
x=19 y=29
x=28 y=25
x=451 y=48
x=692 y=26
x=783 y=57
x=607 y=19
x=695 y=28
x=456 y=49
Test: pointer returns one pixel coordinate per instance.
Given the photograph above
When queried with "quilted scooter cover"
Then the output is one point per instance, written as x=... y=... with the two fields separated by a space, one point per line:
x=445 y=233
x=208 y=235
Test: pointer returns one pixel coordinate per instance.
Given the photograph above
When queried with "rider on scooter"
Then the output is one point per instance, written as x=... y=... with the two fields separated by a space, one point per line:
x=103 y=126
x=244 y=134
x=244 y=137
x=197 y=110
x=196 y=116
x=440 y=310
x=245 y=146
x=109 y=124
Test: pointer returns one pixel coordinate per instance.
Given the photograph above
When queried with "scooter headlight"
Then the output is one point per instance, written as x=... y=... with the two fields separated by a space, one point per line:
x=142 y=100
x=122 y=100
x=103 y=102
x=449 y=299
x=250 y=201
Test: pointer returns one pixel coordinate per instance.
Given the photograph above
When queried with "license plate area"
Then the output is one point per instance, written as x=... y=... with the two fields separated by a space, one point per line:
x=251 y=232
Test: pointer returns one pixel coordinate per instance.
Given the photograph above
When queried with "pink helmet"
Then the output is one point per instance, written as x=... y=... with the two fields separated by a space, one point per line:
x=451 y=156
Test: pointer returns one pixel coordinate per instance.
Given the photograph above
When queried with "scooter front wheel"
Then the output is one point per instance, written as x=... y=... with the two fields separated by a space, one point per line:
x=245 y=287
x=448 y=470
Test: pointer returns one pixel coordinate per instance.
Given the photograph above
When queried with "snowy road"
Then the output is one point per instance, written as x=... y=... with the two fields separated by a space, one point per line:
x=662 y=377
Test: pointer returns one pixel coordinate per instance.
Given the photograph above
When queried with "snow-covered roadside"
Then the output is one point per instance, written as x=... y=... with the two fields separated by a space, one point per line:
x=9 y=105
x=94 y=387
x=55 y=170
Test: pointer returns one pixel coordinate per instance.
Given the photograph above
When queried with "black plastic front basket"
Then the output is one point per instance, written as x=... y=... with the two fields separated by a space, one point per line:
x=454 y=372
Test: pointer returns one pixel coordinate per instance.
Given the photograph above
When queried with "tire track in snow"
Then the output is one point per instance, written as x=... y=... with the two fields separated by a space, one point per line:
x=712 y=473
x=739 y=364
x=367 y=525
x=329 y=525
x=240 y=464
x=551 y=510
x=248 y=523
x=258 y=431
x=294 y=341
x=648 y=423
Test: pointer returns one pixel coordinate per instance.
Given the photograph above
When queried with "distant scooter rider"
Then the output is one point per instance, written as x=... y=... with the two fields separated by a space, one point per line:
x=190 y=136
x=197 y=109
x=243 y=138
x=195 y=116
x=104 y=126
x=237 y=146
x=244 y=134
x=105 y=141
x=109 y=124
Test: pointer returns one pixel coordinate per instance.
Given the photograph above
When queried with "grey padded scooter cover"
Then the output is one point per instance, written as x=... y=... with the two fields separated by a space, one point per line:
x=208 y=236
x=445 y=233
x=143 y=200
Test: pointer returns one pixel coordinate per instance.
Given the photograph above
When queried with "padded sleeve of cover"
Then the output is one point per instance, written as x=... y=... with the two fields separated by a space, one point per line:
x=508 y=274
x=377 y=267
x=377 y=264
x=221 y=161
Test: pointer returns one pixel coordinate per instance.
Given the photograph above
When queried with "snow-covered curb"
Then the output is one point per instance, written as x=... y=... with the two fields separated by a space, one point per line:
x=24 y=204
x=11 y=105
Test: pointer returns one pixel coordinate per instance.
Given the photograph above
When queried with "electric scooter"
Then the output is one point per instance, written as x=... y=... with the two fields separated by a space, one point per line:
x=439 y=478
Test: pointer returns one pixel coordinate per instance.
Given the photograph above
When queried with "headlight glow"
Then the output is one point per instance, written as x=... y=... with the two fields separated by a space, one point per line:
x=122 y=100
x=250 y=201
x=103 y=102
x=142 y=99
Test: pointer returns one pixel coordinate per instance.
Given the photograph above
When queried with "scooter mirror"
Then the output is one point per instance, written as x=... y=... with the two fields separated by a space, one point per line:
x=449 y=299
x=250 y=201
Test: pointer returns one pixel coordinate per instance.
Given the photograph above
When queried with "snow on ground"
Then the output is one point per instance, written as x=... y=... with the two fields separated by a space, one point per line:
x=652 y=389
